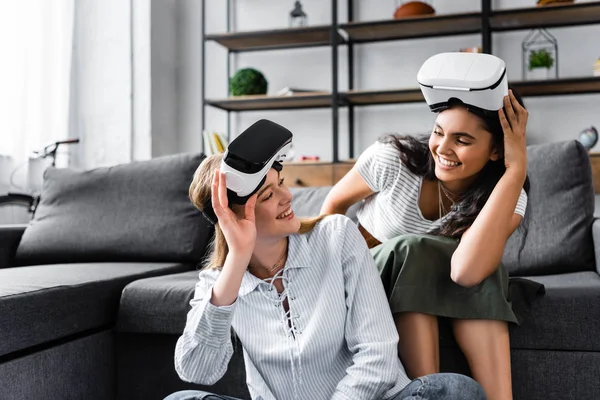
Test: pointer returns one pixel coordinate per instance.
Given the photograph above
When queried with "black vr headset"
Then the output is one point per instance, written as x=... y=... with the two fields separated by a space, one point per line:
x=248 y=158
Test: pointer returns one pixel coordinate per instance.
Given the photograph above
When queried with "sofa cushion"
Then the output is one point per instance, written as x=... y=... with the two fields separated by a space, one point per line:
x=10 y=235
x=132 y=212
x=565 y=319
x=157 y=305
x=307 y=201
x=561 y=320
x=555 y=235
x=42 y=303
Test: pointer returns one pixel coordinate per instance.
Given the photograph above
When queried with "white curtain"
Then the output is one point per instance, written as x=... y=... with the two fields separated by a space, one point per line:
x=36 y=40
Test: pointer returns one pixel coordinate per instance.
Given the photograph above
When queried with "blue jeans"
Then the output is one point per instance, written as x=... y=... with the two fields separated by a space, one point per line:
x=430 y=387
x=442 y=386
x=196 y=395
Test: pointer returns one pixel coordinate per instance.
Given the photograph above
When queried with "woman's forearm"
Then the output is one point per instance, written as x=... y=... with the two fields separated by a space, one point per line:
x=330 y=206
x=482 y=246
x=351 y=189
x=229 y=281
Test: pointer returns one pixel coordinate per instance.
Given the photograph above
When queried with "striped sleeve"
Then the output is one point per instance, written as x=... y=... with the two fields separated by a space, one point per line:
x=204 y=349
x=370 y=332
x=521 y=204
x=379 y=165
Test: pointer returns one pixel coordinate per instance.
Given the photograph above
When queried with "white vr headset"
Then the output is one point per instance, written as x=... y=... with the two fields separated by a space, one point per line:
x=477 y=80
x=248 y=159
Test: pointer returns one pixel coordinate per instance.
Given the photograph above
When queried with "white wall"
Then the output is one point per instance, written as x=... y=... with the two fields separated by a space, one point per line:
x=391 y=64
x=141 y=72
x=189 y=78
x=102 y=84
x=164 y=65
x=137 y=81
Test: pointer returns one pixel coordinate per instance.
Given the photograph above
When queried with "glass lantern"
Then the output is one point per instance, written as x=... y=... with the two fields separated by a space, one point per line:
x=298 y=17
x=540 y=55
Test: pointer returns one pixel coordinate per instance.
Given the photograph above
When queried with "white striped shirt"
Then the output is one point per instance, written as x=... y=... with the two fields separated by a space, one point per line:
x=340 y=343
x=394 y=210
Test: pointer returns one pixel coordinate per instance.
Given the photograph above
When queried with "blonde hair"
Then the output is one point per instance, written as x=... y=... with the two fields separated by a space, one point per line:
x=200 y=195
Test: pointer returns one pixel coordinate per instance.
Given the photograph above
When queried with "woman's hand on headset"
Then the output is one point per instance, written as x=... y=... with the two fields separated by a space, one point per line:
x=239 y=231
x=513 y=118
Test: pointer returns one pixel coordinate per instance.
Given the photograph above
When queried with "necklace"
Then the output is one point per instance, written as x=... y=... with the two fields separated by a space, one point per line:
x=440 y=206
x=449 y=195
x=277 y=264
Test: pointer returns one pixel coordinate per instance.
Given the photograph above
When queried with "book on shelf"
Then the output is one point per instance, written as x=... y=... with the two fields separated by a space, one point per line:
x=290 y=91
x=214 y=142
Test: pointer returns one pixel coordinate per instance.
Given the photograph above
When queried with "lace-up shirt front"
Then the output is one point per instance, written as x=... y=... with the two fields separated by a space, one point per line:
x=337 y=339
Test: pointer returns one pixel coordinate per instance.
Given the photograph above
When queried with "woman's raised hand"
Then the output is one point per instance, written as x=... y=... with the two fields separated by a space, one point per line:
x=513 y=119
x=240 y=233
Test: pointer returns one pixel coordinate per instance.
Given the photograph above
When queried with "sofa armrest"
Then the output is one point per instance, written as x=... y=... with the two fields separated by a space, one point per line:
x=10 y=236
x=596 y=237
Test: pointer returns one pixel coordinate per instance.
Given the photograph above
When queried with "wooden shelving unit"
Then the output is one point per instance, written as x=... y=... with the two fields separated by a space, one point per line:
x=262 y=102
x=355 y=33
x=274 y=39
x=411 y=28
x=551 y=87
x=374 y=97
x=556 y=87
x=546 y=17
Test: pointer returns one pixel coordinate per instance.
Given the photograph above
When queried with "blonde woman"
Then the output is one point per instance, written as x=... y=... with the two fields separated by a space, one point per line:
x=305 y=300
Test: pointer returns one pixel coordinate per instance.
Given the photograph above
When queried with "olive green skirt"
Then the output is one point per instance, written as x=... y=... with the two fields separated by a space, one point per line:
x=415 y=270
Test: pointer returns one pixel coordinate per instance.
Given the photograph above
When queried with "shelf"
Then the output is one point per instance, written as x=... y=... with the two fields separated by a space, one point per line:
x=275 y=39
x=546 y=16
x=555 y=87
x=263 y=102
x=548 y=87
x=373 y=97
x=409 y=28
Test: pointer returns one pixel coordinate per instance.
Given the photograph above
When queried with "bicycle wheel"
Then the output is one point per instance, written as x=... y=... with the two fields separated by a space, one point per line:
x=16 y=208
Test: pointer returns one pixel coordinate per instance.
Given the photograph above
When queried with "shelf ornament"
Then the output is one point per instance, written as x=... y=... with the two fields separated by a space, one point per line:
x=298 y=17
x=407 y=9
x=588 y=137
x=248 y=81
x=540 y=55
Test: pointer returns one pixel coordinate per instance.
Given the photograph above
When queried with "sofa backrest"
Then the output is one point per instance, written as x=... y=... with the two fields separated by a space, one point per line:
x=555 y=236
x=307 y=201
x=556 y=233
x=138 y=211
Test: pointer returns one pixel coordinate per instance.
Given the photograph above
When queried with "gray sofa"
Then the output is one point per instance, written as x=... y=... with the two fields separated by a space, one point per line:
x=94 y=291
x=62 y=275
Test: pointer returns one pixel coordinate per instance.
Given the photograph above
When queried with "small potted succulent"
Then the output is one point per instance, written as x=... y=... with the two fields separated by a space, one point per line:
x=540 y=62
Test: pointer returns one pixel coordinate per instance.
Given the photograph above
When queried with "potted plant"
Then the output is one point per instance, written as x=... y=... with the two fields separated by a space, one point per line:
x=540 y=62
x=247 y=81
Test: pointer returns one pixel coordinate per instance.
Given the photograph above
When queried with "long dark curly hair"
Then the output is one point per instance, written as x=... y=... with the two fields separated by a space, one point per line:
x=415 y=154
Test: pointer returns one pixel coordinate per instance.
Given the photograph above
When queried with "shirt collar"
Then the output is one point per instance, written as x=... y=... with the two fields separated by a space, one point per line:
x=298 y=246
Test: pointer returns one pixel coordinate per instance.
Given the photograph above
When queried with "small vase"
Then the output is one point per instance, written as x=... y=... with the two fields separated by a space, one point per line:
x=539 y=74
